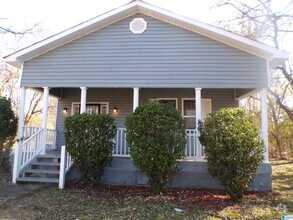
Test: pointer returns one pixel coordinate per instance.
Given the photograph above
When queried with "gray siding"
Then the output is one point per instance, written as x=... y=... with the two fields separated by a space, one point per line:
x=122 y=99
x=164 y=56
x=193 y=174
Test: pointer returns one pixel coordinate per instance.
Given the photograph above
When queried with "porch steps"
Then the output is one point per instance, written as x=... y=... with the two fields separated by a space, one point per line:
x=38 y=180
x=42 y=171
x=45 y=163
x=44 y=168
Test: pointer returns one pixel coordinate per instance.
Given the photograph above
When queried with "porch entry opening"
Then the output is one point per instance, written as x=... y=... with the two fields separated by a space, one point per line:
x=188 y=113
x=91 y=108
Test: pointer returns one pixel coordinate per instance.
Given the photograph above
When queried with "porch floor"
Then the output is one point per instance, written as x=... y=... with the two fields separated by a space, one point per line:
x=52 y=153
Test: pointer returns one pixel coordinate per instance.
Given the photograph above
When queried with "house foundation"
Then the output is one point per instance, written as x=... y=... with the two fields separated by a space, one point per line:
x=192 y=175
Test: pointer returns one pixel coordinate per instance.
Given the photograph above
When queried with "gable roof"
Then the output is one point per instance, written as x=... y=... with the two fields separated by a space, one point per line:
x=273 y=55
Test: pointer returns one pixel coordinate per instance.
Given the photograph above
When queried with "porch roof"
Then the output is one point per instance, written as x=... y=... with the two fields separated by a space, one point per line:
x=271 y=54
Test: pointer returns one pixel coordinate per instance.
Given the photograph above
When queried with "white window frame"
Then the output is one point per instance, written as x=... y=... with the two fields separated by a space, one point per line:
x=202 y=107
x=99 y=103
x=168 y=99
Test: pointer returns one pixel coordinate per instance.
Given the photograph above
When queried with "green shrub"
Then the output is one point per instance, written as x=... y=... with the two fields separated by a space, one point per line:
x=8 y=128
x=156 y=137
x=89 y=140
x=233 y=148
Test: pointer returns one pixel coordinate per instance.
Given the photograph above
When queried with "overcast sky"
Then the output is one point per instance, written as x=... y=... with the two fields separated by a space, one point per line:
x=57 y=15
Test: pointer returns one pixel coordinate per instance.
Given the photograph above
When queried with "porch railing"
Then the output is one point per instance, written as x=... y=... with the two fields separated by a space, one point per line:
x=122 y=150
x=65 y=164
x=190 y=149
x=51 y=139
x=30 y=148
x=29 y=131
x=121 y=147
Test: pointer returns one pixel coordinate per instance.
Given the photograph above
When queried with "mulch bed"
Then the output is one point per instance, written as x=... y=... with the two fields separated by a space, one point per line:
x=204 y=199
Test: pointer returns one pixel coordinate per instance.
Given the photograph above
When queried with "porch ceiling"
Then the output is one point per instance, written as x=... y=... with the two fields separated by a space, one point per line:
x=239 y=93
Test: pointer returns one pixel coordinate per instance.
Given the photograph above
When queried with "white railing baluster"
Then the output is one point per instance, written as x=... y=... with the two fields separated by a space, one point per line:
x=121 y=143
x=190 y=143
x=125 y=143
x=186 y=145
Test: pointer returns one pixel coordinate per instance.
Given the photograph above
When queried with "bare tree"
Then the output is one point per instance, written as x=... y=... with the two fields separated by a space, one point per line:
x=9 y=77
x=268 y=21
x=31 y=30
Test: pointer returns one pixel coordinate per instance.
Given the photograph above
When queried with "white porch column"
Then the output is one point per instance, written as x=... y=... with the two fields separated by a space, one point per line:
x=17 y=152
x=83 y=100
x=264 y=123
x=135 y=98
x=198 y=117
x=45 y=117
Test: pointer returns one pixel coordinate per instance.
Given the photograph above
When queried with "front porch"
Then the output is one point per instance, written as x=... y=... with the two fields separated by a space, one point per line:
x=51 y=164
x=192 y=103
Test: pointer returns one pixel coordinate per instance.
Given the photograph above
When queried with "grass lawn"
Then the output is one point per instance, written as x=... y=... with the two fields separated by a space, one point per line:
x=120 y=202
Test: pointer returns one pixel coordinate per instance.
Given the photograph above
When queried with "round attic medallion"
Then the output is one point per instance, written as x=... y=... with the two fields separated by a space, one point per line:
x=138 y=25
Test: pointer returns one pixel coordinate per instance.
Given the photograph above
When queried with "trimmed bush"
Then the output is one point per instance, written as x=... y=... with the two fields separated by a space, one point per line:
x=233 y=148
x=156 y=136
x=8 y=128
x=89 y=140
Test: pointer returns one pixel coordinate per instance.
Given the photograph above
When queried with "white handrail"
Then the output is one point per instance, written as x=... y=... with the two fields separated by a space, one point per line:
x=65 y=164
x=30 y=148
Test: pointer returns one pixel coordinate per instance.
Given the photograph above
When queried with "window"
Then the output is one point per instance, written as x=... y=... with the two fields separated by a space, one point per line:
x=168 y=101
x=92 y=108
x=188 y=111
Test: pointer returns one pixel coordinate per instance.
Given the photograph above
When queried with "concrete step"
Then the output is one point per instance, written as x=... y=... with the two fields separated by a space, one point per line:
x=38 y=180
x=49 y=156
x=41 y=163
x=39 y=171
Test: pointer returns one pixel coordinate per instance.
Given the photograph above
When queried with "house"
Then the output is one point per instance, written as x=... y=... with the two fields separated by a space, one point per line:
x=126 y=57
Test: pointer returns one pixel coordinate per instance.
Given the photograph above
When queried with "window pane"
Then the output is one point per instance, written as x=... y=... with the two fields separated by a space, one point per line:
x=76 y=109
x=189 y=108
x=104 y=109
x=93 y=108
x=189 y=123
x=168 y=102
